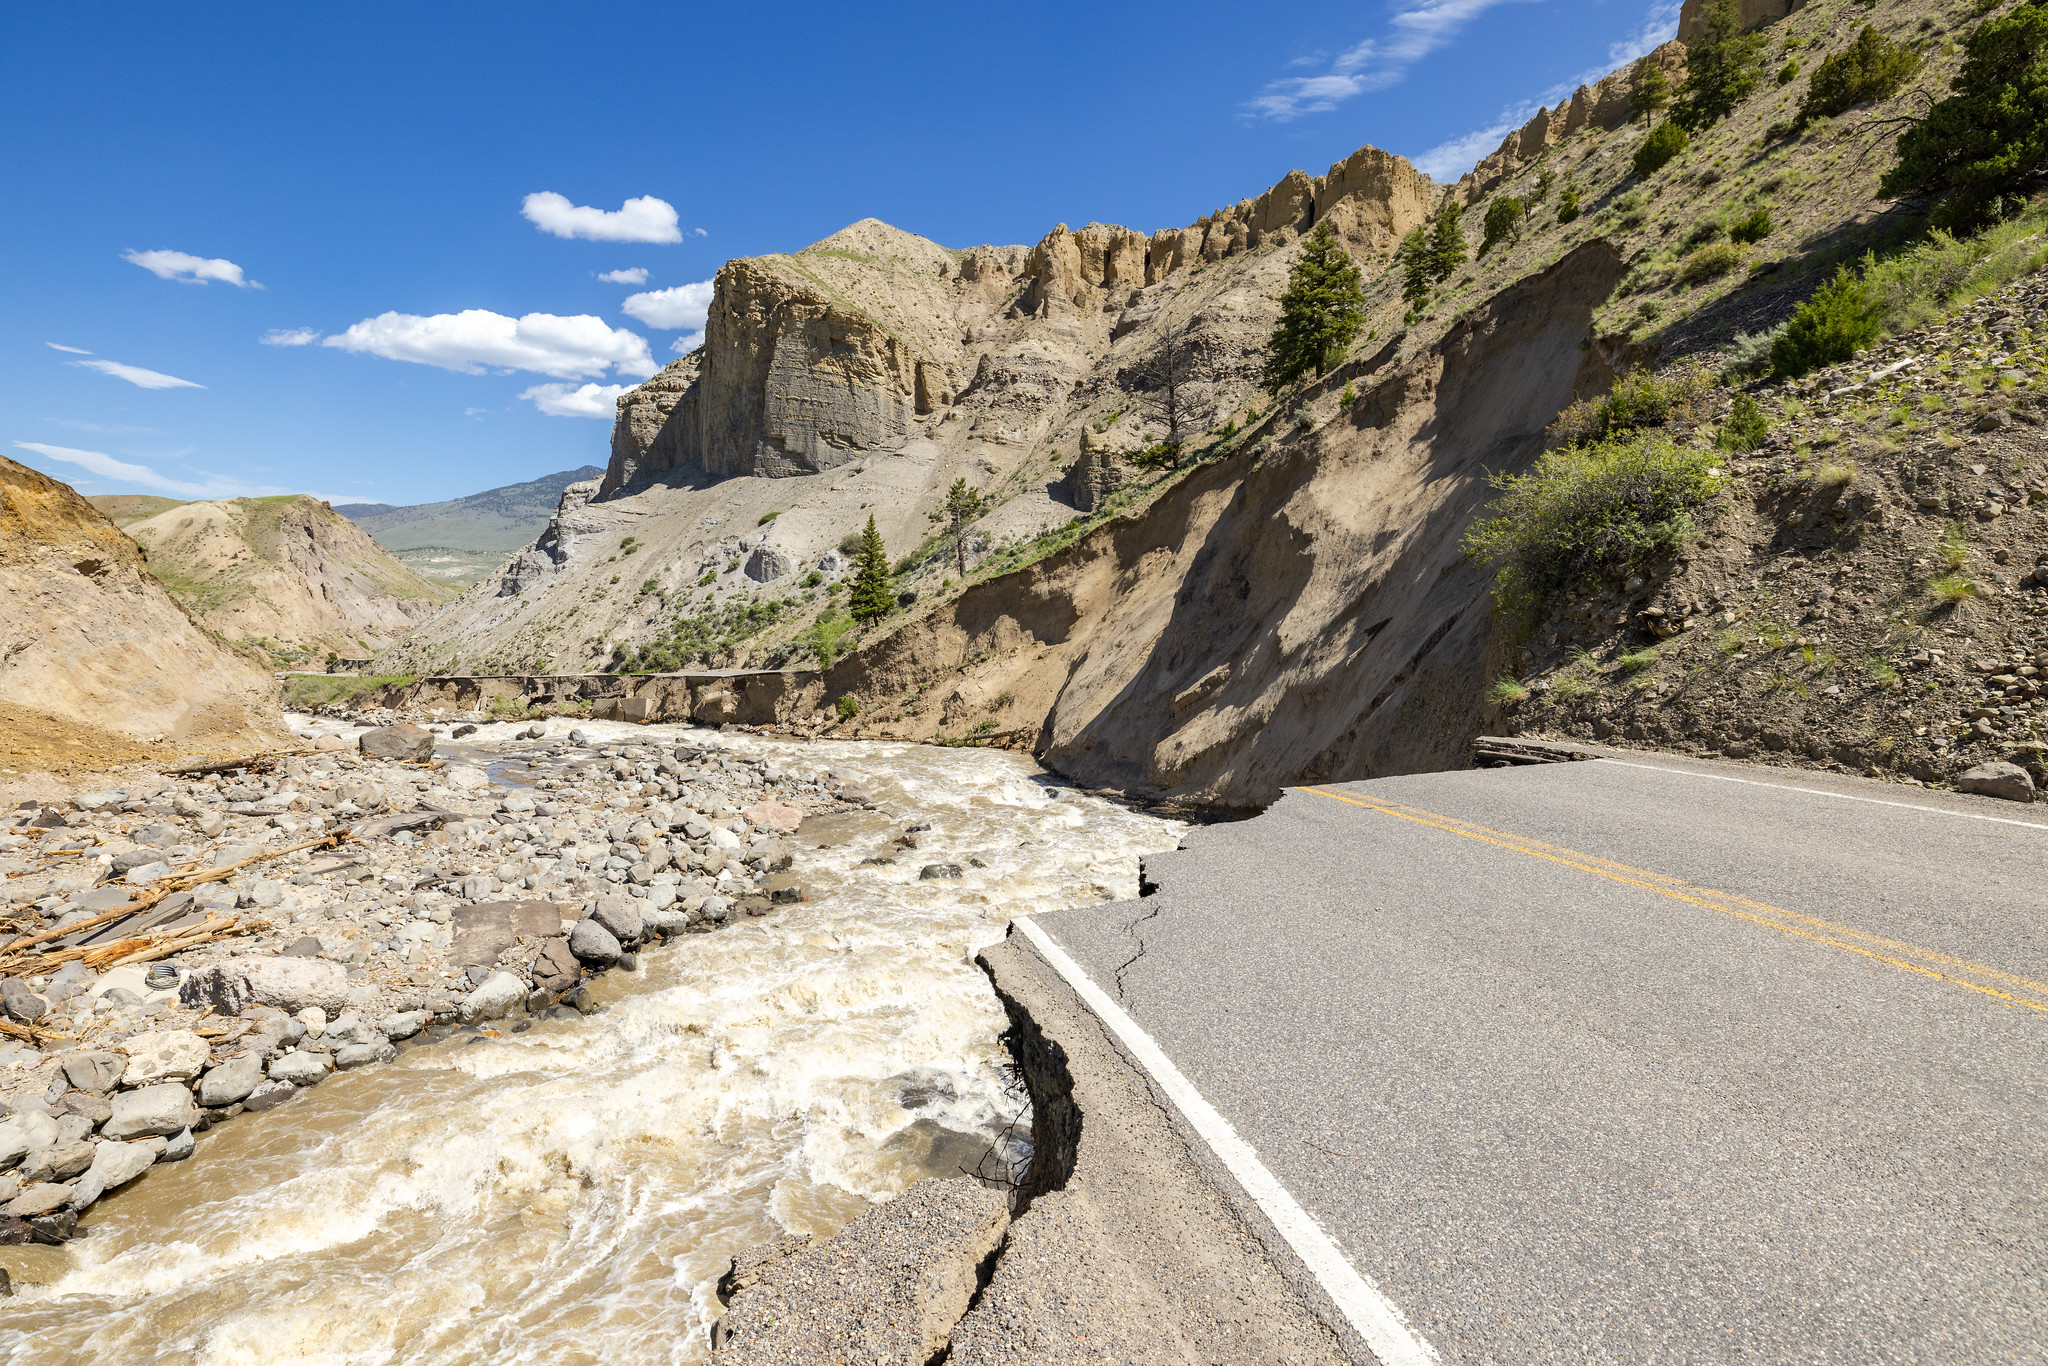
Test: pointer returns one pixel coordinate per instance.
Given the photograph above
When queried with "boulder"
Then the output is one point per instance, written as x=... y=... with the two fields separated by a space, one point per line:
x=1998 y=779
x=38 y=1199
x=164 y=1055
x=403 y=1025
x=483 y=932
x=269 y=1095
x=232 y=1081
x=23 y=1134
x=362 y=1055
x=94 y=1071
x=774 y=816
x=402 y=741
x=621 y=916
x=855 y=793
x=593 y=943
x=556 y=969
x=932 y=872
x=61 y=1161
x=113 y=1165
x=493 y=999
x=291 y=984
x=304 y=1068
x=161 y=1109
x=328 y=744
x=19 y=1003
x=768 y=563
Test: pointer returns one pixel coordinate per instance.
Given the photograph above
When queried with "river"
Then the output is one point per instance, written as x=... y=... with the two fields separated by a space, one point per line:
x=572 y=1193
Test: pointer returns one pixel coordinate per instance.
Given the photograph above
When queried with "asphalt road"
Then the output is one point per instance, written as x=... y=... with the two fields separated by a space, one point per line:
x=1624 y=1061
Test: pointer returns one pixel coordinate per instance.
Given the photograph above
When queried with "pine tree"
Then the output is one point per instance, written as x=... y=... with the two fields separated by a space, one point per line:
x=1722 y=67
x=1984 y=145
x=961 y=507
x=871 y=599
x=1413 y=258
x=1446 y=242
x=1652 y=91
x=1320 y=313
x=1504 y=219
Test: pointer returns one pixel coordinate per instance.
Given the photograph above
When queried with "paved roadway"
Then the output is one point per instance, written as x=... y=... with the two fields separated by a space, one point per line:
x=1625 y=1061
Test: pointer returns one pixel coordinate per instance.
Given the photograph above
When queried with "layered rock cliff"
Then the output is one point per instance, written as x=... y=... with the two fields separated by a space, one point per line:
x=90 y=642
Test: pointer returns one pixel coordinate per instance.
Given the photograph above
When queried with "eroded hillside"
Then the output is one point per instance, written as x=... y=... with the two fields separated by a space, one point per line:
x=286 y=574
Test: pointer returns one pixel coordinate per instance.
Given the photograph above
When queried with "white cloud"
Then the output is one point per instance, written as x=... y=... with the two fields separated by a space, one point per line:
x=636 y=275
x=646 y=219
x=1415 y=31
x=107 y=467
x=687 y=343
x=683 y=306
x=576 y=347
x=290 y=336
x=1449 y=160
x=700 y=232
x=136 y=375
x=590 y=400
x=74 y=350
x=193 y=270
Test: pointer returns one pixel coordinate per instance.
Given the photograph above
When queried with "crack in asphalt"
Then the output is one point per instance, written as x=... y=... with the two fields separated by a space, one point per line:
x=1132 y=930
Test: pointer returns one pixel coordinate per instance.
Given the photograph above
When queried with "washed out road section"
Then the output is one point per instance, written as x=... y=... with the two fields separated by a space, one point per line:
x=1627 y=1062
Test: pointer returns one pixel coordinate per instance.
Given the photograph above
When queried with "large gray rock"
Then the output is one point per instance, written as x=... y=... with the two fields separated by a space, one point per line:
x=60 y=1161
x=403 y=1025
x=113 y=1165
x=362 y=1055
x=556 y=969
x=1998 y=779
x=38 y=1199
x=620 y=915
x=593 y=943
x=304 y=1068
x=19 y=1002
x=398 y=742
x=268 y=1096
x=23 y=1134
x=94 y=1071
x=291 y=984
x=161 y=1109
x=483 y=932
x=231 y=1082
x=493 y=999
x=164 y=1055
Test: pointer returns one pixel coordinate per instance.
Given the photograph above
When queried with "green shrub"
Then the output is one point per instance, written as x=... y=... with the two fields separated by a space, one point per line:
x=813 y=579
x=767 y=517
x=1835 y=474
x=1721 y=68
x=1705 y=231
x=1304 y=419
x=1871 y=68
x=1750 y=352
x=1545 y=179
x=826 y=635
x=1568 y=207
x=1951 y=588
x=710 y=577
x=1752 y=228
x=1789 y=72
x=1504 y=219
x=1745 y=428
x=1710 y=263
x=1583 y=510
x=1640 y=399
x=847 y=707
x=1839 y=320
x=1666 y=141
x=1988 y=139
x=1507 y=690
x=1635 y=661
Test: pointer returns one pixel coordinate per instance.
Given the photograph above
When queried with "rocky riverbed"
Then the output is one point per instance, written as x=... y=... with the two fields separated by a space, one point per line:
x=774 y=940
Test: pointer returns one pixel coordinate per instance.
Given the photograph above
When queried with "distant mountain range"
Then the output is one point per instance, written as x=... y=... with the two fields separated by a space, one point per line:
x=464 y=539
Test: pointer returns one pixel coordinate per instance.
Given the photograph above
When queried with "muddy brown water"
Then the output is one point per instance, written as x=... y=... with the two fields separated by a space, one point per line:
x=570 y=1194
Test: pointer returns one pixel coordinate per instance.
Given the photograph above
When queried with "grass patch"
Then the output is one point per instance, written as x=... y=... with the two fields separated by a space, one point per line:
x=1636 y=661
x=1951 y=588
x=1834 y=474
x=319 y=690
x=1953 y=549
x=1506 y=690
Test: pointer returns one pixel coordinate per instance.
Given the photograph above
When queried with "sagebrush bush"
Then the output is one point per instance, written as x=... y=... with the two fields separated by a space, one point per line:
x=1753 y=227
x=1666 y=141
x=1746 y=426
x=1638 y=400
x=1750 y=352
x=1871 y=68
x=1589 y=509
x=1710 y=263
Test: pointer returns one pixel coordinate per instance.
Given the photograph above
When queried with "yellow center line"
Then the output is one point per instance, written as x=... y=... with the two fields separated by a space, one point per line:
x=1889 y=951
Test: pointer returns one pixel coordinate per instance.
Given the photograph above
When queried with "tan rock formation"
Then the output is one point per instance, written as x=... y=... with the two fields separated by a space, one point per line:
x=1692 y=15
x=1096 y=474
x=90 y=640
x=290 y=571
x=1606 y=104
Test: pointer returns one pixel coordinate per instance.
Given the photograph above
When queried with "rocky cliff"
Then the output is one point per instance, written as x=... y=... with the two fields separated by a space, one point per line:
x=289 y=573
x=91 y=643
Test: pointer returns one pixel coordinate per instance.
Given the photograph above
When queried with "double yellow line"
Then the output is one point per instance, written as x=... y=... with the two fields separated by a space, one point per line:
x=2002 y=986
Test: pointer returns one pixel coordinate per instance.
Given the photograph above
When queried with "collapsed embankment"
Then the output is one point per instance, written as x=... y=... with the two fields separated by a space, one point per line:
x=1300 y=612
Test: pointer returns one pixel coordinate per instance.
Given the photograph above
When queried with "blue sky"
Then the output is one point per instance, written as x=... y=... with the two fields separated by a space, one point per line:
x=361 y=251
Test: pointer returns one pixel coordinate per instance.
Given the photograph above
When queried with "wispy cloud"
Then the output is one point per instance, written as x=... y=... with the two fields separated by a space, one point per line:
x=476 y=339
x=682 y=306
x=74 y=350
x=102 y=428
x=645 y=219
x=687 y=343
x=107 y=467
x=635 y=275
x=1416 y=29
x=136 y=375
x=589 y=400
x=290 y=336
x=193 y=270
x=1449 y=160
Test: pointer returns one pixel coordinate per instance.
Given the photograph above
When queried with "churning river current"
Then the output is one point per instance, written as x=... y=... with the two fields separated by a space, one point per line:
x=572 y=1193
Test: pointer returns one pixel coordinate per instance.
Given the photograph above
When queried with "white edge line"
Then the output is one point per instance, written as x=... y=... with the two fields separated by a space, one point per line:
x=1823 y=792
x=1378 y=1321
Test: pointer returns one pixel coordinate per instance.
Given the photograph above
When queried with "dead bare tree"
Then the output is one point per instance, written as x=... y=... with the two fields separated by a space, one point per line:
x=1166 y=386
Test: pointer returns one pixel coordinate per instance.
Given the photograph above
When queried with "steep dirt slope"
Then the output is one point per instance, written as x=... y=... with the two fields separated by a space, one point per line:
x=124 y=508
x=1298 y=616
x=288 y=573
x=92 y=645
